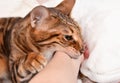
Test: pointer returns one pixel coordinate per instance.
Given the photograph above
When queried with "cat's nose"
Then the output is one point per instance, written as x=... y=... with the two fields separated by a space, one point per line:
x=81 y=46
x=82 y=50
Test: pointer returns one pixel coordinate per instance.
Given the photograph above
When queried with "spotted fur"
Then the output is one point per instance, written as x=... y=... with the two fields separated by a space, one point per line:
x=27 y=44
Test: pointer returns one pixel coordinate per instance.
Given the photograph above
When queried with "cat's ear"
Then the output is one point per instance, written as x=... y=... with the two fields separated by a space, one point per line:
x=66 y=6
x=38 y=15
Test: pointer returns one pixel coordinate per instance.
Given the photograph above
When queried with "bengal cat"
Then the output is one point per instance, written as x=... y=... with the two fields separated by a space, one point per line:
x=27 y=44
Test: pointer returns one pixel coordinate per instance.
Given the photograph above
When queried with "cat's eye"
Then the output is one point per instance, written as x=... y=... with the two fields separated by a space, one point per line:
x=54 y=16
x=68 y=37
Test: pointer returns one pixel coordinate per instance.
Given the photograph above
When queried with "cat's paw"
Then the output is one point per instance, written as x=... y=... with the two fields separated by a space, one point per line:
x=35 y=63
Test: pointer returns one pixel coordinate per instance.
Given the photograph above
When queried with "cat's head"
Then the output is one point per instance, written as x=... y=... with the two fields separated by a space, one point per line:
x=53 y=28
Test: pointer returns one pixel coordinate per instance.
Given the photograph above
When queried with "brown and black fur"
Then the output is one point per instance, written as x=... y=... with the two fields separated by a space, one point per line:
x=6 y=26
x=27 y=44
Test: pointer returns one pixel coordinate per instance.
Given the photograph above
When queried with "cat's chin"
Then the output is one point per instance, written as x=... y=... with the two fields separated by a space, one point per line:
x=49 y=54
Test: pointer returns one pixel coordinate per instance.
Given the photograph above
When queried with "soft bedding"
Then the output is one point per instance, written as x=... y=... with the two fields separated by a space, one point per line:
x=99 y=20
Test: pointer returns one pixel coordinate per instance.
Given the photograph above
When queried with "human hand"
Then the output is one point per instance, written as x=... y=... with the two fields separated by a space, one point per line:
x=61 y=69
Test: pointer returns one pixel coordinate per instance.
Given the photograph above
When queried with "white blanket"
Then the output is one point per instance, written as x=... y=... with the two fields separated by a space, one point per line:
x=101 y=29
x=99 y=20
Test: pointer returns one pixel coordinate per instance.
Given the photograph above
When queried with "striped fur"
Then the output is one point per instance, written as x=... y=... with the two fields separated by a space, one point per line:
x=27 y=44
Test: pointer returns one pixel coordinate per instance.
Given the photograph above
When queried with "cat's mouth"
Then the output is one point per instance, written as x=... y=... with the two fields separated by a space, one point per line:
x=72 y=52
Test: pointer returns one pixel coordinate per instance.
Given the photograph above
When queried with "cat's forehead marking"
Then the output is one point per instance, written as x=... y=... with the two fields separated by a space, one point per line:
x=63 y=18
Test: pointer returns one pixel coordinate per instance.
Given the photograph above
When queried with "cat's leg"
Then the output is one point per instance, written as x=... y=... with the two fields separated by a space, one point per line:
x=25 y=68
x=4 y=70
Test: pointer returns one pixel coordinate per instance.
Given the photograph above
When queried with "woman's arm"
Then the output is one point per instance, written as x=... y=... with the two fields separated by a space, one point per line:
x=61 y=69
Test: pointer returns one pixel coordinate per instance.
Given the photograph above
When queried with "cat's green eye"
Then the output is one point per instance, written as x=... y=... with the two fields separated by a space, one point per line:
x=68 y=37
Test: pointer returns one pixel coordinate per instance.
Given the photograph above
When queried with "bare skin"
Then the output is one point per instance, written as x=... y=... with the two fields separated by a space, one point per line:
x=61 y=69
